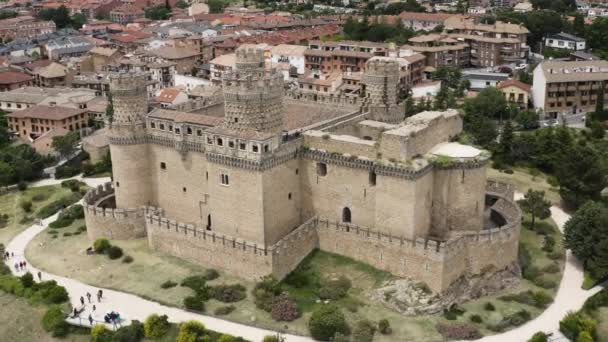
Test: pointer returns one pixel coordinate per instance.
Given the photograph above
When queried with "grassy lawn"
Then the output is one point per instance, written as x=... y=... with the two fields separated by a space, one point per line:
x=18 y=218
x=523 y=180
x=65 y=255
x=22 y=322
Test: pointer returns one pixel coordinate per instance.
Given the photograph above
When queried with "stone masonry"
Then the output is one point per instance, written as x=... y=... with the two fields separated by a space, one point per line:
x=250 y=199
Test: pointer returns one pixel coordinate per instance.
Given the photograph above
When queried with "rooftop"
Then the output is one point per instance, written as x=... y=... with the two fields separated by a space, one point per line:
x=572 y=71
x=11 y=77
x=47 y=112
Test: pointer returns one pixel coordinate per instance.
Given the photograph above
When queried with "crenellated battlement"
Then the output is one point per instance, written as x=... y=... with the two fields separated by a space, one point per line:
x=128 y=84
x=249 y=58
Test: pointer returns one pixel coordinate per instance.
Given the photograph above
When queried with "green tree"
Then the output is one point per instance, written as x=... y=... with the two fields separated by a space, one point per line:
x=586 y=234
x=77 y=21
x=190 y=331
x=524 y=76
x=581 y=174
x=160 y=12
x=504 y=149
x=578 y=25
x=599 y=105
x=65 y=145
x=181 y=4
x=410 y=106
x=539 y=337
x=596 y=36
x=326 y=321
x=535 y=204
x=527 y=119
x=450 y=75
x=216 y=6
x=54 y=322
x=156 y=326
x=61 y=16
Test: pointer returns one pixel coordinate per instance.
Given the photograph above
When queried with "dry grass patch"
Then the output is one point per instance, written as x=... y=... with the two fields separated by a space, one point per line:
x=524 y=180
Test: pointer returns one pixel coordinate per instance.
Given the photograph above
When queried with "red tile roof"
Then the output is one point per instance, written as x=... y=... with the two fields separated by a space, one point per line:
x=11 y=77
x=47 y=112
x=514 y=83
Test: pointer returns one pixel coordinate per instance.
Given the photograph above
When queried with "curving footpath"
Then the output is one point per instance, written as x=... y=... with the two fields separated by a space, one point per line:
x=570 y=296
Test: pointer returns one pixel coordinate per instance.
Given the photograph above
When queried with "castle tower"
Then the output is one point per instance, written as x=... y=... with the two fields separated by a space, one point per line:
x=381 y=79
x=128 y=147
x=253 y=95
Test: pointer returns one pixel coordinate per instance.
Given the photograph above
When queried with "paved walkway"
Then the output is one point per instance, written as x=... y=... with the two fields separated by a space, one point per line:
x=570 y=295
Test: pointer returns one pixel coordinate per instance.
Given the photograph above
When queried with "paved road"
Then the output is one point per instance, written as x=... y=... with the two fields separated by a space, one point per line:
x=569 y=296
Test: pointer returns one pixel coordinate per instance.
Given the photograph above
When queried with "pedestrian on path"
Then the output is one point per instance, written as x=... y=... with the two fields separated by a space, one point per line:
x=39 y=276
x=90 y=320
x=16 y=267
x=82 y=300
x=94 y=307
x=99 y=295
x=24 y=265
x=89 y=297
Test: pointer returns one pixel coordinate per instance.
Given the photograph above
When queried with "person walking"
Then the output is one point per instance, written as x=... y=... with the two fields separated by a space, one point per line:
x=24 y=265
x=16 y=267
x=39 y=276
x=99 y=295
x=89 y=297
x=82 y=300
x=94 y=308
x=90 y=320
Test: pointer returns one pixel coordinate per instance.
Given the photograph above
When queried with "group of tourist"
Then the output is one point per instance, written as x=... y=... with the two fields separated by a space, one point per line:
x=8 y=255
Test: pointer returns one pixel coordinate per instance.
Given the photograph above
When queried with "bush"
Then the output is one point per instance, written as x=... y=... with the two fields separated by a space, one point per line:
x=156 y=326
x=101 y=245
x=271 y=338
x=575 y=323
x=67 y=234
x=519 y=318
x=196 y=283
x=489 y=306
x=54 y=322
x=61 y=222
x=224 y=310
x=52 y=293
x=384 y=327
x=333 y=293
x=39 y=197
x=297 y=279
x=326 y=321
x=453 y=312
x=543 y=228
x=55 y=206
x=227 y=338
x=190 y=331
x=538 y=299
x=555 y=255
x=194 y=303
x=364 y=331
x=599 y=299
x=551 y=268
x=531 y=273
x=129 y=333
x=459 y=331
x=22 y=186
x=99 y=333
x=548 y=243
x=544 y=283
x=476 y=319
x=228 y=293
x=27 y=280
x=264 y=292
x=168 y=284
x=539 y=337
x=127 y=259
x=26 y=206
x=284 y=308
x=211 y=274
x=114 y=252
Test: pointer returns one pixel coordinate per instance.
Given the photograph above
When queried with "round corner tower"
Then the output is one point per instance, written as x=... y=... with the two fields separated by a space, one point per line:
x=381 y=79
x=253 y=95
x=128 y=148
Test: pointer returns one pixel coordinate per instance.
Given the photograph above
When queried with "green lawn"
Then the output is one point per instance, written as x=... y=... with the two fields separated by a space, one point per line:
x=523 y=180
x=22 y=322
x=18 y=219
x=602 y=328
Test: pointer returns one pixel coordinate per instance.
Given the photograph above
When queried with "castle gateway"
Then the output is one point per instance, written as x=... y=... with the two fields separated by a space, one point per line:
x=252 y=193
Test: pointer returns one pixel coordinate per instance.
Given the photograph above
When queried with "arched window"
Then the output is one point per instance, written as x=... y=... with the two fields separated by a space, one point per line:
x=209 y=222
x=346 y=216
x=372 y=178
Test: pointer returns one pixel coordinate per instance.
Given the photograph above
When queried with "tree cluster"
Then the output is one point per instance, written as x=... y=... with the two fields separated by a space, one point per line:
x=61 y=17
x=20 y=163
x=376 y=31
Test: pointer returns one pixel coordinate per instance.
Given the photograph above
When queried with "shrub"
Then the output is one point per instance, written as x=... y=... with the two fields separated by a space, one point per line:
x=585 y=336
x=67 y=234
x=539 y=337
x=26 y=206
x=227 y=338
x=519 y=318
x=129 y=333
x=55 y=206
x=476 y=319
x=224 y=310
x=39 y=197
x=168 y=284
x=114 y=252
x=548 y=243
x=364 y=331
x=453 y=312
x=74 y=212
x=574 y=323
x=54 y=322
x=99 y=333
x=61 y=222
x=196 y=283
x=22 y=186
x=27 y=280
x=597 y=300
x=127 y=259
x=264 y=292
x=489 y=306
x=329 y=292
x=190 y=331
x=531 y=273
x=384 y=327
x=551 y=268
x=544 y=228
x=556 y=255
x=326 y=321
x=284 y=308
x=459 y=331
x=228 y=293
x=297 y=279
x=544 y=283
x=211 y=274
x=194 y=303
x=82 y=229
x=271 y=338
x=538 y=299
x=101 y=245
x=52 y=293
x=156 y=326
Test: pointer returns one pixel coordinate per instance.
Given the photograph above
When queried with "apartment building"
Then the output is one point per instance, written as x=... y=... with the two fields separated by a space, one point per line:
x=35 y=121
x=561 y=88
x=24 y=27
x=423 y=21
x=490 y=44
x=565 y=41
x=440 y=49
x=345 y=56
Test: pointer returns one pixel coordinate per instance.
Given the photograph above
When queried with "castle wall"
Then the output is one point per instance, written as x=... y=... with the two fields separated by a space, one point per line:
x=458 y=199
x=396 y=204
x=293 y=248
x=282 y=200
x=115 y=224
x=340 y=144
x=187 y=172
x=131 y=175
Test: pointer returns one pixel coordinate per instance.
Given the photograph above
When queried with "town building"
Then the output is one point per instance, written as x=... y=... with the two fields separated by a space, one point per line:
x=516 y=92
x=565 y=41
x=53 y=75
x=70 y=46
x=440 y=50
x=418 y=21
x=289 y=59
x=30 y=123
x=12 y=79
x=220 y=66
x=125 y=14
x=562 y=88
x=342 y=56
x=169 y=97
x=184 y=59
x=255 y=191
x=480 y=79
x=24 y=27
x=490 y=44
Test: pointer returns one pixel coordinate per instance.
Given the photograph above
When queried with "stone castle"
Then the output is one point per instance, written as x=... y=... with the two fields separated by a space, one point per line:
x=243 y=194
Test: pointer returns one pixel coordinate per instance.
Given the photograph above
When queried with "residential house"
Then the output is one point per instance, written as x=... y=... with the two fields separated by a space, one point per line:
x=32 y=122
x=170 y=97
x=11 y=79
x=515 y=92
x=53 y=75
x=24 y=27
x=288 y=58
x=184 y=58
x=423 y=21
x=483 y=79
x=565 y=41
x=219 y=66
x=73 y=46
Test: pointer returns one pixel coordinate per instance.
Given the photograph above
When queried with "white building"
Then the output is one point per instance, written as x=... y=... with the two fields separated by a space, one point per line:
x=565 y=41
x=220 y=65
x=481 y=79
x=288 y=58
x=189 y=82
x=426 y=89
x=523 y=7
